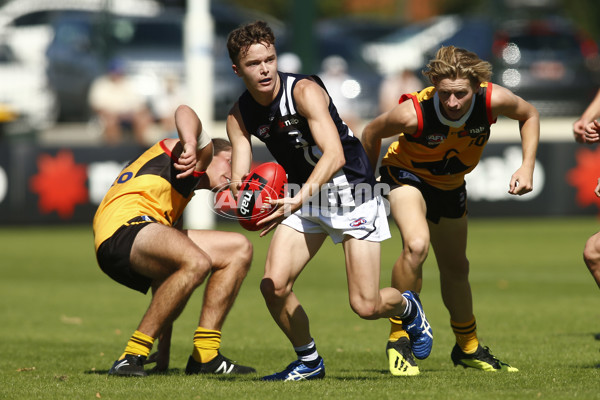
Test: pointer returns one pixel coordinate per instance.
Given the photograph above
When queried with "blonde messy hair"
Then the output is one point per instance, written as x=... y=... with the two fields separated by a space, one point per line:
x=454 y=63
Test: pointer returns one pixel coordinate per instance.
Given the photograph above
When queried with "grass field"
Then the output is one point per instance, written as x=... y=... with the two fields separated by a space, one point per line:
x=63 y=323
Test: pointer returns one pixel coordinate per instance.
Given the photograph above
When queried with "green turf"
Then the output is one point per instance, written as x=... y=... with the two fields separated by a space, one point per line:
x=63 y=323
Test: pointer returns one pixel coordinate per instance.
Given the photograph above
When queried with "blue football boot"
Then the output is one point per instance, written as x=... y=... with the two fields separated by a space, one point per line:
x=419 y=330
x=298 y=371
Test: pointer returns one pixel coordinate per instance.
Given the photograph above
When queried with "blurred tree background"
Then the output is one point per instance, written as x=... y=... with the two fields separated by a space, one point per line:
x=583 y=12
x=301 y=14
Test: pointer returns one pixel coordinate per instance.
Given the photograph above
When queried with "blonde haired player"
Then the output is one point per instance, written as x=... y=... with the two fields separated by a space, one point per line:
x=442 y=131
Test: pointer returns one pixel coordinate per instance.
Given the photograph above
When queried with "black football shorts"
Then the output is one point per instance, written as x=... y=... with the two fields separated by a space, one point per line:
x=440 y=203
x=113 y=255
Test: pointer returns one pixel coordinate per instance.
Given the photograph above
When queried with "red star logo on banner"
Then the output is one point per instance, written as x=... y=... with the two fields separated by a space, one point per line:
x=585 y=176
x=60 y=183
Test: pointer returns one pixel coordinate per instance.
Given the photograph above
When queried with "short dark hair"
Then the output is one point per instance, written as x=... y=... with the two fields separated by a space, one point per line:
x=220 y=145
x=240 y=39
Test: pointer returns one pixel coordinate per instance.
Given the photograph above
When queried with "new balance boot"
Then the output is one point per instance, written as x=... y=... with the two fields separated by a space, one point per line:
x=129 y=366
x=218 y=365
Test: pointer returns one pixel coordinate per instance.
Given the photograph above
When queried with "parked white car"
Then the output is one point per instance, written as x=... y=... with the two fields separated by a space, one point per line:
x=24 y=91
x=25 y=32
x=26 y=24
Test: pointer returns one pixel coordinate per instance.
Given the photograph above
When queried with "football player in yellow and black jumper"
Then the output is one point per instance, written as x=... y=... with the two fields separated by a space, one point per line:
x=140 y=244
x=442 y=131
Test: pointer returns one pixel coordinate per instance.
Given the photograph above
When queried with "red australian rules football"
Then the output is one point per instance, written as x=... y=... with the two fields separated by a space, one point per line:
x=268 y=180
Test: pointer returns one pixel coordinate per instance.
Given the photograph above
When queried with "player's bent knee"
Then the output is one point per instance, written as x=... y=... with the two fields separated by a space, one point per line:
x=364 y=308
x=197 y=270
x=418 y=248
x=245 y=251
x=272 y=291
x=238 y=252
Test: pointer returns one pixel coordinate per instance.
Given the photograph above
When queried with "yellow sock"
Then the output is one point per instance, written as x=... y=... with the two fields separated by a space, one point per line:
x=466 y=335
x=139 y=344
x=206 y=344
x=396 y=330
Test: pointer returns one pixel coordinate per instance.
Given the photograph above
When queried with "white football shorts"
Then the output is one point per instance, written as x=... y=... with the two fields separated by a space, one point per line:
x=367 y=221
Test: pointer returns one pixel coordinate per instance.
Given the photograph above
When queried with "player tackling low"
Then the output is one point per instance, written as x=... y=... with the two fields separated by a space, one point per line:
x=296 y=119
x=139 y=244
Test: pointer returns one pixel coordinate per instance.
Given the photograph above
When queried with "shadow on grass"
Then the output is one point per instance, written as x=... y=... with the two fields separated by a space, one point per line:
x=170 y=371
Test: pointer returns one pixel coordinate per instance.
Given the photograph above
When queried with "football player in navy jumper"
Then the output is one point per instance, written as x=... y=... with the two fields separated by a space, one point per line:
x=293 y=115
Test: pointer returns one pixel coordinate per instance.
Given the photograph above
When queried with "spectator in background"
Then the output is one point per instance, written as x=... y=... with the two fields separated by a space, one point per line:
x=334 y=74
x=119 y=106
x=289 y=62
x=395 y=85
x=173 y=94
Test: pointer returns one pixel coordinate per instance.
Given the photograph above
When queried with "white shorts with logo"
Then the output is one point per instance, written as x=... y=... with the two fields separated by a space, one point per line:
x=367 y=221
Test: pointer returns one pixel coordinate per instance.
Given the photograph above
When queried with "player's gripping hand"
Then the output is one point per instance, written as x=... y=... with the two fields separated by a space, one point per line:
x=592 y=132
x=186 y=162
x=283 y=208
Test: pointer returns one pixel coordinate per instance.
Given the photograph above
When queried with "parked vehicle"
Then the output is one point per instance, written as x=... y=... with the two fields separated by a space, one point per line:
x=77 y=39
x=547 y=63
x=361 y=86
x=408 y=46
x=150 y=48
x=25 y=25
x=27 y=104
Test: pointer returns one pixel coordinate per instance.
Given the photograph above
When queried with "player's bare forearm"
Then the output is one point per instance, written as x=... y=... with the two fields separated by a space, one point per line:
x=530 y=138
x=188 y=125
x=241 y=157
x=372 y=145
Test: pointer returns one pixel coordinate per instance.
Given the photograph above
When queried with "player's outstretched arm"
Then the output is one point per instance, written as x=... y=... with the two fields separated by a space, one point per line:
x=241 y=153
x=312 y=103
x=163 y=353
x=506 y=103
x=400 y=119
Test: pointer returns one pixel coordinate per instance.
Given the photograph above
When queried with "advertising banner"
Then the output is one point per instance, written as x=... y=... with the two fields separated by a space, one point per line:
x=50 y=185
